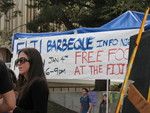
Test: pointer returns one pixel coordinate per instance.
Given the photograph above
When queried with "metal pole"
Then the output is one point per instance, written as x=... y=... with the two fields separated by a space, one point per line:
x=107 y=92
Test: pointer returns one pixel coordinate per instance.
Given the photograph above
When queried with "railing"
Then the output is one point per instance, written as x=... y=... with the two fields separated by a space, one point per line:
x=65 y=87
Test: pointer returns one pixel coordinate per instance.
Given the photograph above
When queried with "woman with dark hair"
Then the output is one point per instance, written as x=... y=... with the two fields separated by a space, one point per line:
x=102 y=108
x=32 y=85
x=13 y=78
x=86 y=105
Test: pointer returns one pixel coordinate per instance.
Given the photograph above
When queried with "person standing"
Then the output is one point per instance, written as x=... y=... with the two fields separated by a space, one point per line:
x=6 y=90
x=102 y=108
x=32 y=85
x=86 y=105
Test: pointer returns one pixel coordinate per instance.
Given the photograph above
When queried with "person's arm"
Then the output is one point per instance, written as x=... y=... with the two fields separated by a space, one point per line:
x=90 y=108
x=6 y=91
x=81 y=108
x=137 y=99
x=9 y=101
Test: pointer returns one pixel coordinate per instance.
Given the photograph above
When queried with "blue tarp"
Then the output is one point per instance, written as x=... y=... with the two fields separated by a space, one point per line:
x=128 y=20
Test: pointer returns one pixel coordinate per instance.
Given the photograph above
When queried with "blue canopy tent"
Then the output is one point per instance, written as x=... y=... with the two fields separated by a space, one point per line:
x=128 y=20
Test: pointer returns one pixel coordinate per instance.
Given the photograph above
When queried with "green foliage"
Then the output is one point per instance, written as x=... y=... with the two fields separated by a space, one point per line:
x=80 y=13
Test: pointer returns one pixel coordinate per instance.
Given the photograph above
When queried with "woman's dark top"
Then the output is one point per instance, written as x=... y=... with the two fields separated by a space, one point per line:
x=102 y=108
x=34 y=98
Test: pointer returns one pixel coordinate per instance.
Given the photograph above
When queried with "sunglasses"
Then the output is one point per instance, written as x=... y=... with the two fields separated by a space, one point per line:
x=21 y=60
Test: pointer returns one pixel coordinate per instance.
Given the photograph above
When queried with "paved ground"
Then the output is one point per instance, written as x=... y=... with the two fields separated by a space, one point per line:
x=55 y=108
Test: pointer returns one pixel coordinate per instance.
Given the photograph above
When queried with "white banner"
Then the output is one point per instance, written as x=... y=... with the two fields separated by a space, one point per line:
x=87 y=56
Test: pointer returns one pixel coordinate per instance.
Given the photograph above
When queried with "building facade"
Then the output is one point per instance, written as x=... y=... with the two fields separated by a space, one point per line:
x=11 y=24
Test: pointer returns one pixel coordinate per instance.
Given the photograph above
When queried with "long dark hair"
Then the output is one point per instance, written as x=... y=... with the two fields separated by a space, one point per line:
x=36 y=69
x=13 y=78
x=36 y=65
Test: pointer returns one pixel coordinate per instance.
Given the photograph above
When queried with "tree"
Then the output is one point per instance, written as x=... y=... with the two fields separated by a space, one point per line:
x=124 y=5
x=80 y=13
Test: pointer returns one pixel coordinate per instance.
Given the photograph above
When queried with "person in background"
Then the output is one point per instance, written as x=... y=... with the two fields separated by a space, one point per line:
x=13 y=79
x=93 y=97
x=86 y=105
x=7 y=95
x=102 y=108
x=32 y=85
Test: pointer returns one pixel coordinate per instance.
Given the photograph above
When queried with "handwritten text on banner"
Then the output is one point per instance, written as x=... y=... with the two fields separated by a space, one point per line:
x=90 y=56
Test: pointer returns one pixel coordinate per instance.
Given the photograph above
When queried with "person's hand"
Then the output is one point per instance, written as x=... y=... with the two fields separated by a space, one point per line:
x=88 y=112
x=12 y=110
x=128 y=86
